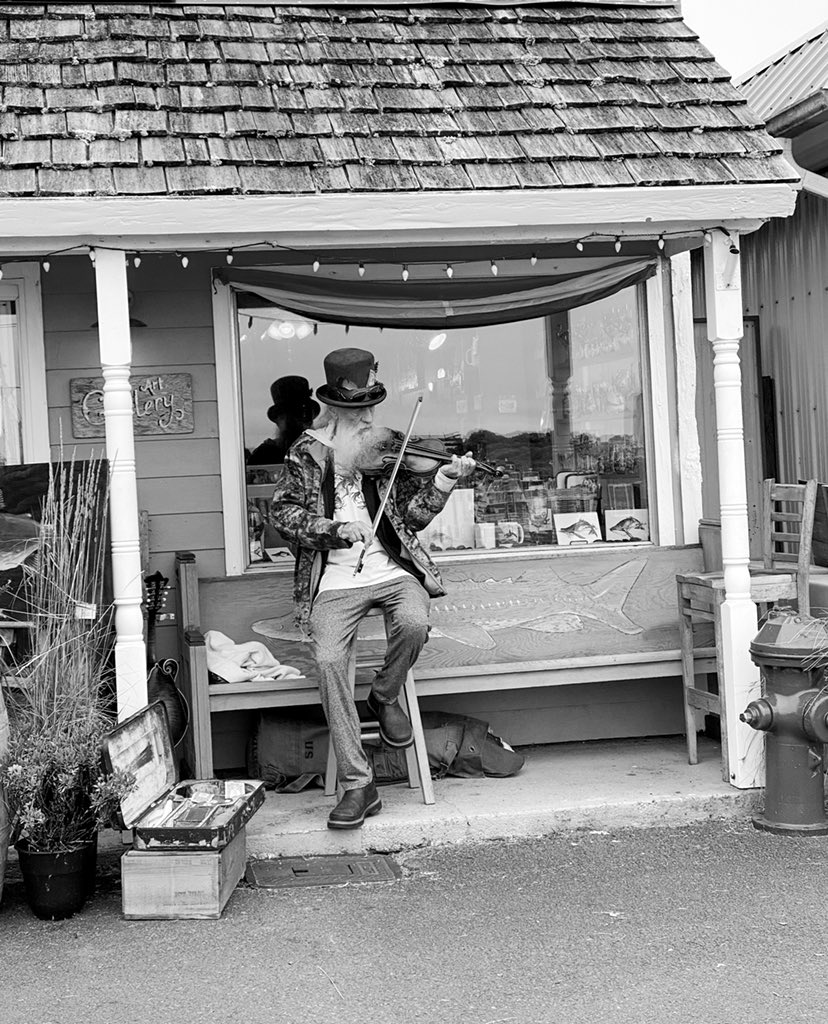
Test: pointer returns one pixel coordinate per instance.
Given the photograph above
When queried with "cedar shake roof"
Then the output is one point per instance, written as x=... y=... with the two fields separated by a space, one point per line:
x=149 y=99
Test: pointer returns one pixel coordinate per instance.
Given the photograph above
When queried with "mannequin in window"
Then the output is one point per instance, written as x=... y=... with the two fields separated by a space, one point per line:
x=293 y=411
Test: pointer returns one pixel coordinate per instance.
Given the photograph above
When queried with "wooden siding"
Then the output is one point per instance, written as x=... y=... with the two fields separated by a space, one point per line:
x=178 y=477
x=785 y=272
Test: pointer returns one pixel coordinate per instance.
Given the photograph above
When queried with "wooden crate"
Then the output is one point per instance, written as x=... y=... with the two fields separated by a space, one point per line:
x=167 y=885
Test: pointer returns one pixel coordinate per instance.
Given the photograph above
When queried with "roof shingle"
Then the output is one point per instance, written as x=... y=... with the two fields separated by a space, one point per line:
x=182 y=100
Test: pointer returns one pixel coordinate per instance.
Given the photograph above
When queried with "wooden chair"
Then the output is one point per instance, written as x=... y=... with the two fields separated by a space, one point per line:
x=416 y=756
x=782 y=575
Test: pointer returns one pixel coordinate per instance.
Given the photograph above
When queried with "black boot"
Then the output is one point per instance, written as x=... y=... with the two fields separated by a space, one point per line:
x=354 y=807
x=394 y=726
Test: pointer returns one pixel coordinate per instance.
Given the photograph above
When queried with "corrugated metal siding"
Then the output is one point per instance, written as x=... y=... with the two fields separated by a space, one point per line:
x=785 y=274
x=791 y=79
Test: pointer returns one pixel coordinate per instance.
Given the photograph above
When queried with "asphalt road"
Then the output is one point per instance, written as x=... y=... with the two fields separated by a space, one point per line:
x=710 y=923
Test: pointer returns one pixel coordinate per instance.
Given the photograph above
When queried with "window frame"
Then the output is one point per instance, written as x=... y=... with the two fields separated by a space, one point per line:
x=655 y=372
x=21 y=284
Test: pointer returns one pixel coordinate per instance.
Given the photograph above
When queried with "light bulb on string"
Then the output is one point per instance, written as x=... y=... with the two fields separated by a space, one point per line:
x=449 y=271
x=617 y=243
x=136 y=262
x=533 y=260
x=661 y=241
x=249 y=322
x=47 y=266
x=185 y=260
x=494 y=269
x=92 y=255
x=347 y=328
x=361 y=270
x=229 y=256
x=1 y=272
x=405 y=272
x=708 y=238
x=579 y=245
x=315 y=266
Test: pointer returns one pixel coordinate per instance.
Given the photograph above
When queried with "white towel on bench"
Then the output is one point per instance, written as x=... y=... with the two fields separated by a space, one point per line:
x=237 y=662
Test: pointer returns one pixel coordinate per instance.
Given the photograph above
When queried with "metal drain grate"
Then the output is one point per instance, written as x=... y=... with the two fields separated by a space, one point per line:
x=290 y=872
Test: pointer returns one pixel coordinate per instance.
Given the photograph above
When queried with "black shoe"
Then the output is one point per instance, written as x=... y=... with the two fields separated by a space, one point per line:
x=394 y=727
x=354 y=807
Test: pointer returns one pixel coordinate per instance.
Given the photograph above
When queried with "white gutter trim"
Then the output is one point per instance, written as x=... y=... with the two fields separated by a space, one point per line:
x=811 y=182
x=217 y=221
x=816 y=184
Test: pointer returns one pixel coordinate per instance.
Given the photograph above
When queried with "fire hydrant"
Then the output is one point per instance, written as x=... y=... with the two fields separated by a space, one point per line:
x=792 y=652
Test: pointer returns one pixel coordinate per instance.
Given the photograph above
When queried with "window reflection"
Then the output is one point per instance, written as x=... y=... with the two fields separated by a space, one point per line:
x=556 y=403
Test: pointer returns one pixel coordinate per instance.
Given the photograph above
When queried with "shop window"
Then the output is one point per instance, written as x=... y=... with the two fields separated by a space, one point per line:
x=556 y=404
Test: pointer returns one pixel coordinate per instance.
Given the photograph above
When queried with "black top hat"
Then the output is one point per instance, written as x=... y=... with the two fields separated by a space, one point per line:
x=292 y=396
x=350 y=380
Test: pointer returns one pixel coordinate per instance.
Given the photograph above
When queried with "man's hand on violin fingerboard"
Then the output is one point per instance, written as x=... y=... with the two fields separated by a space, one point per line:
x=460 y=466
x=355 y=532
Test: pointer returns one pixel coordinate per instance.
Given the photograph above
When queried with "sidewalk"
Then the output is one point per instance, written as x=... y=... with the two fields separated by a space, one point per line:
x=599 y=785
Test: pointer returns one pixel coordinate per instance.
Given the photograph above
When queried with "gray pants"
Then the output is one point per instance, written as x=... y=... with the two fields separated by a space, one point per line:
x=334 y=620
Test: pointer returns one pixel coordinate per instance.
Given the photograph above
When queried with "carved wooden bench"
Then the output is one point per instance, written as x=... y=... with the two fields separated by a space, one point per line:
x=233 y=604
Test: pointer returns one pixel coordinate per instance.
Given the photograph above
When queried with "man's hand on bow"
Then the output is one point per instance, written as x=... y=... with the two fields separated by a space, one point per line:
x=355 y=532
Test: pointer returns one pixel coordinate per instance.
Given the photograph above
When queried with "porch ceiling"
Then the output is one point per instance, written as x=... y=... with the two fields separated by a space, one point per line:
x=146 y=100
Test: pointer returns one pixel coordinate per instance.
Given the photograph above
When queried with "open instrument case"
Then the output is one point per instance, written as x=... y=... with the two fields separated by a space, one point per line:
x=189 y=837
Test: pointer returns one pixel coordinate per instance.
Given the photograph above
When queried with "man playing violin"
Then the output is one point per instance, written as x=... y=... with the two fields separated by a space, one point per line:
x=326 y=504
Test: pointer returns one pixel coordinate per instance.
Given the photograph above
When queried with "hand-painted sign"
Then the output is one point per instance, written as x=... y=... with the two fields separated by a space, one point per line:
x=162 y=403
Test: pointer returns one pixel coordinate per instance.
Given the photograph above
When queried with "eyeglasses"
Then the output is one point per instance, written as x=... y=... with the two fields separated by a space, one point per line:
x=355 y=394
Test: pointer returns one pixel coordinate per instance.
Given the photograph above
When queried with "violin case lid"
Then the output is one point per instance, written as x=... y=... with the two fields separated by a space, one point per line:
x=194 y=814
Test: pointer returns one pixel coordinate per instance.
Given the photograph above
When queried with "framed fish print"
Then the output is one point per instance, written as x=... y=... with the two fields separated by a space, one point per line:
x=626 y=524
x=577 y=527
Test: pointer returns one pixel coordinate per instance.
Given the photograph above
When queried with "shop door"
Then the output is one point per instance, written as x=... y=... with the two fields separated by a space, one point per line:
x=756 y=460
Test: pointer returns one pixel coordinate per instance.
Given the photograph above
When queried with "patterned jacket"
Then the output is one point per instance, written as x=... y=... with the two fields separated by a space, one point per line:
x=303 y=506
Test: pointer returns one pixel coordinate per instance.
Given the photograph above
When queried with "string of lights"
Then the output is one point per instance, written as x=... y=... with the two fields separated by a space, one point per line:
x=316 y=259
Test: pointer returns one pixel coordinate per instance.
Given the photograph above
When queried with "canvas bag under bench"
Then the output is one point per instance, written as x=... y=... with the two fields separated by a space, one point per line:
x=289 y=754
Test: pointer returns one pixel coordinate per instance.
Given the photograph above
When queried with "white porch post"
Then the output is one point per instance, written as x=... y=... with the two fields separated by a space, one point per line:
x=739 y=615
x=116 y=356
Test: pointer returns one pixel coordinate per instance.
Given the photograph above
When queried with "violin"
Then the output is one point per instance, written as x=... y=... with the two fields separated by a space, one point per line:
x=423 y=455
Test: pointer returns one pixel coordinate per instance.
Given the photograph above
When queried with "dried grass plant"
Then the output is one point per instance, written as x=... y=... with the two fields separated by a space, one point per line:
x=61 y=705
x=70 y=654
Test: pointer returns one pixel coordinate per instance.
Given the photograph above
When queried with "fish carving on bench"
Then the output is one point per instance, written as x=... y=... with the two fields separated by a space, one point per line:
x=475 y=609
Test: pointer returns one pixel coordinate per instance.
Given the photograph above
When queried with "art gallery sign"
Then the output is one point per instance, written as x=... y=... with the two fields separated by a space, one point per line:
x=162 y=403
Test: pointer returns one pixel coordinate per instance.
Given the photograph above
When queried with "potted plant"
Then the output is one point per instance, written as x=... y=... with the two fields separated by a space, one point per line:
x=57 y=794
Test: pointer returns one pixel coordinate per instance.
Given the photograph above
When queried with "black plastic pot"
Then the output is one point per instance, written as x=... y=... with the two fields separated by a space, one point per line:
x=58 y=884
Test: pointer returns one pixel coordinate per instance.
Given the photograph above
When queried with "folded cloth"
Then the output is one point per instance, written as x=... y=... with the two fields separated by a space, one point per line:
x=237 y=662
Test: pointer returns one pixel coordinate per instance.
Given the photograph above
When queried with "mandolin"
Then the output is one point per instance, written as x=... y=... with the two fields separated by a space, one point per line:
x=161 y=680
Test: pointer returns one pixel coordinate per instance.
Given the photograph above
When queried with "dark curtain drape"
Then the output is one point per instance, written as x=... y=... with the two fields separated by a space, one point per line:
x=444 y=303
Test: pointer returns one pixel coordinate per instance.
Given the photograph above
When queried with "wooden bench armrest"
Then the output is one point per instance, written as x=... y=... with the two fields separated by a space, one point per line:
x=192 y=637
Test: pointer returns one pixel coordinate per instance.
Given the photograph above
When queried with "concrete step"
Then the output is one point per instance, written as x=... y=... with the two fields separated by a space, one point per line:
x=601 y=785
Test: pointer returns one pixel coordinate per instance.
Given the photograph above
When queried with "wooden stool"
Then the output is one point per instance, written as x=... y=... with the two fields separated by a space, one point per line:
x=700 y=597
x=416 y=755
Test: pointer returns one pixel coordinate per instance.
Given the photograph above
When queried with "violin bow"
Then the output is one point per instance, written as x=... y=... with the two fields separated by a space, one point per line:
x=391 y=479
